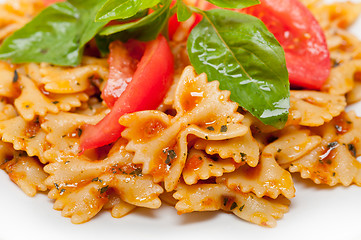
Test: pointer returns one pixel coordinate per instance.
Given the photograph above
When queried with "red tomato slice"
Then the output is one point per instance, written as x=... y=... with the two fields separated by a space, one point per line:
x=173 y=25
x=147 y=89
x=121 y=69
x=297 y=30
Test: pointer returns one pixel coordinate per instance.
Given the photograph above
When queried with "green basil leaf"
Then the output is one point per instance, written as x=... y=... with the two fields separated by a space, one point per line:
x=57 y=35
x=237 y=50
x=122 y=9
x=145 y=29
x=183 y=12
x=237 y=4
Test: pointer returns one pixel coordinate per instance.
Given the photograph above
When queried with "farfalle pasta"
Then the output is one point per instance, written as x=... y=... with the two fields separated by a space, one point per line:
x=198 y=151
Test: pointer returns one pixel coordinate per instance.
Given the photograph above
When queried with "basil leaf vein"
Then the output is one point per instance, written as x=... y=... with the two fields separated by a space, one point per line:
x=237 y=50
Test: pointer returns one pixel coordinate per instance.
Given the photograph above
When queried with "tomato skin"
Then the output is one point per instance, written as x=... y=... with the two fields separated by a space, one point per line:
x=173 y=25
x=121 y=70
x=49 y=2
x=299 y=33
x=147 y=89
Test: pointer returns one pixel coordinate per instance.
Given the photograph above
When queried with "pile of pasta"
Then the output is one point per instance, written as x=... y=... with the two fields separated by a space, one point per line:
x=199 y=151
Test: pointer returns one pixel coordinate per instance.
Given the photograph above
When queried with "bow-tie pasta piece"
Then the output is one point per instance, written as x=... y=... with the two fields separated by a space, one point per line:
x=27 y=173
x=99 y=181
x=266 y=179
x=69 y=80
x=64 y=131
x=25 y=8
x=212 y=197
x=243 y=149
x=66 y=102
x=334 y=161
x=25 y=136
x=159 y=141
x=156 y=146
x=9 y=23
x=76 y=169
x=342 y=77
x=202 y=103
x=7 y=111
x=15 y=14
x=31 y=101
x=293 y=143
x=83 y=203
x=348 y=128
x=6 y=152
x=9 y=87
x=92 y=107
x=118 y=208
x=34 y=100
x=145 y=130
x=344 y=47
x=311 y=108
x=199 y=166
x=339 y=14
x=355 y=94
x=136 y=189
x=32 y=71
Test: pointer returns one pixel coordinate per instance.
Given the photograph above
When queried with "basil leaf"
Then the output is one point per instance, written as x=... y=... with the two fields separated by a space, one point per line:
x=237 y=50
x=122 y=9
x=57 y=35
x=145 y=29
x=238 y=4
x=183 y=12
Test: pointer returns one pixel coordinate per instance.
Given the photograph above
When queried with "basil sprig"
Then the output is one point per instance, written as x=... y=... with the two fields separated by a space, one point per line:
x=57 y=35
x=233 y=48
x=237 y=50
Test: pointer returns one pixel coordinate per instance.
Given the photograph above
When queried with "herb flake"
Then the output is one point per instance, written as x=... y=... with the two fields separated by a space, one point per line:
x=241 y=208
x=210 y=128
x=224 y=128
x=104 y=189
x=233 y=206
x=171 y=155
x=16 y=76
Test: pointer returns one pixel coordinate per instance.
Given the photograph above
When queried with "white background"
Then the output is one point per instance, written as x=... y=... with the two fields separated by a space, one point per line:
x=315 y=213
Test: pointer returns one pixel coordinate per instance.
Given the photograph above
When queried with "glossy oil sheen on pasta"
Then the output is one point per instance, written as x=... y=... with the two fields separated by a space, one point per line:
x=207 y=155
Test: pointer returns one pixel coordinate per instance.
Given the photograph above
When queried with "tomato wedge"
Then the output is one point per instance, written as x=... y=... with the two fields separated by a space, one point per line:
x=297 y=30
x=121 y=69
x=173 y=25
x=147 y=89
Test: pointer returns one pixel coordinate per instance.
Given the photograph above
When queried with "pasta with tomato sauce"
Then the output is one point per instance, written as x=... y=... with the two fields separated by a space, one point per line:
x=190 y=146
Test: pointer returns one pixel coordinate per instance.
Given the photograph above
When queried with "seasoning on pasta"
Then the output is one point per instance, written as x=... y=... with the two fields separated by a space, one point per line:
x=113 y=115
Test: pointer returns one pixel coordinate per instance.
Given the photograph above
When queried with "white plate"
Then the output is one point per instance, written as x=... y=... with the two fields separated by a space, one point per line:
x=315 y=213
